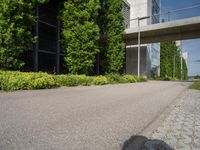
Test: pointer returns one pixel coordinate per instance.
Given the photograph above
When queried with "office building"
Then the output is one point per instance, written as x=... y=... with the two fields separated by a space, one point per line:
x=150 y=53
x=47 y=54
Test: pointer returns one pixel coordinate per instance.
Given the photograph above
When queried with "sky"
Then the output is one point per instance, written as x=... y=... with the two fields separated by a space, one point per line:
x=190 y=46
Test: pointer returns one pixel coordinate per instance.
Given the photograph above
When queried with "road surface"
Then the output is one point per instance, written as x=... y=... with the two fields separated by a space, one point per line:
x=82 y=118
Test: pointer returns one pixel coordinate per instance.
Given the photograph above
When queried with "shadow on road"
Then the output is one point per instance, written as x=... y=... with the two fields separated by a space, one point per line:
x=142 y=143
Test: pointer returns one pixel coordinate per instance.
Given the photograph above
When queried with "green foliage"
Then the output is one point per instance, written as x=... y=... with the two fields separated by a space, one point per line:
x=66 y=80
x=185 y=70
x=130 y=78
x=115 y=78
x=196 y=85
x=10 y=81
x=142 y=79
x=16 y=21
x=81 y=34
x=14 y=80
x=99 y=80
x=111 y=23
x=76 y=80
x=168 y=55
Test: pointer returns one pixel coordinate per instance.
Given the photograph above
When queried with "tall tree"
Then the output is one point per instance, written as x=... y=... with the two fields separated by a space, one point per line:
x=185 y=70
x=81 y=34
x=167 y=55
x=17 y=18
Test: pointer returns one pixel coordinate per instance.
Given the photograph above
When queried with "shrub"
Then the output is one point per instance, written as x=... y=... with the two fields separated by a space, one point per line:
x=142 y=78
x=99 y=80
x=115 y=78
x=130 y=78
x=83 y=80
x=10 y=81
x=14 y=80
x=73 y=80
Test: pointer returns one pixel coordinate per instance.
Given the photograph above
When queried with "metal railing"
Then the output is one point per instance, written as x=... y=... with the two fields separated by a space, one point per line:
x=183 y=13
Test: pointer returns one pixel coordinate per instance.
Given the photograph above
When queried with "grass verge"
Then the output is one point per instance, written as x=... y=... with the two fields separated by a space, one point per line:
x=196 y=85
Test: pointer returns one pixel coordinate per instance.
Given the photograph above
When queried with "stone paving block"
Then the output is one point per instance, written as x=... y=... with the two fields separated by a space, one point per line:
x=183 y=147
x=171 y=140
x=158 y=136
x=183 y=124
x=197 y=142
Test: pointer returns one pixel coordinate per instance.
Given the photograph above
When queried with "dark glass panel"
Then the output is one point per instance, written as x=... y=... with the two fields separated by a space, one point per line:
x=47 y=62
x=63 y=65
x=47 y=37
x=28 y=58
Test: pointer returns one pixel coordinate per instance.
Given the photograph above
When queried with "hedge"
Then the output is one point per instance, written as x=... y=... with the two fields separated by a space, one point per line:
x=11 y=81
x=14 y=80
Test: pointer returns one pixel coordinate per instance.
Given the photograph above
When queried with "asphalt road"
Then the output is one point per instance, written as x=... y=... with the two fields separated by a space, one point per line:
x=82 y=118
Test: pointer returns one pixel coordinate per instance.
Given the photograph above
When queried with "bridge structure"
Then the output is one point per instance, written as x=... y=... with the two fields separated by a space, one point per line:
x=179 y=24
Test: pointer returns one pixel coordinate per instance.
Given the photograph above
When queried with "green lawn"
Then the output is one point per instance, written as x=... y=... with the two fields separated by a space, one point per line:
x=196 y=85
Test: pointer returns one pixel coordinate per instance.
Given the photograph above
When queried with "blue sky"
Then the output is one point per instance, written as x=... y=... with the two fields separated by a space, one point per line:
x=191 y=46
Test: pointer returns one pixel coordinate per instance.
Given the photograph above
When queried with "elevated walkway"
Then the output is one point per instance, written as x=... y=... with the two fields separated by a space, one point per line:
x=175 y=30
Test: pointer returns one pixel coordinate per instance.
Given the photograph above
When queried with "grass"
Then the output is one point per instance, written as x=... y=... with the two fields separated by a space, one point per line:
x=196 y=85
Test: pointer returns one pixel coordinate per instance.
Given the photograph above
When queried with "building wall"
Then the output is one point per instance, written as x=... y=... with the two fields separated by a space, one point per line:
x=143 y=8
x=126 y=13
x=131 y=60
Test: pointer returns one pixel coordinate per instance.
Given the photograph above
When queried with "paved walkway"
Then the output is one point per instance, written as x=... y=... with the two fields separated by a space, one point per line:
x=181 y=129
x=82 y=118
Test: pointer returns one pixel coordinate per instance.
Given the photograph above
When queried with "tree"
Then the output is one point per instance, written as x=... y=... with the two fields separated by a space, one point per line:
x=16 y=21
x=168 y=55
x=111 y=23
x=185 y=70
x=81 y=34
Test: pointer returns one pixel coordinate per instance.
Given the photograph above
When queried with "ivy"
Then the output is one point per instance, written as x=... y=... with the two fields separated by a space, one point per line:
x=16 y=22
x=81 y=34
x=169 y=54
x=111 y=22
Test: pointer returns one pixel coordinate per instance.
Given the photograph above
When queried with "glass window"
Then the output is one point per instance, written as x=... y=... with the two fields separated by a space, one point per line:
x=47 y=62
x=47 y=37
x=155 y=12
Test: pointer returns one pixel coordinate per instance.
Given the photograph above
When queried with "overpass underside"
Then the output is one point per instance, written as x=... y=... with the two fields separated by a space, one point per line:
x=169 y=31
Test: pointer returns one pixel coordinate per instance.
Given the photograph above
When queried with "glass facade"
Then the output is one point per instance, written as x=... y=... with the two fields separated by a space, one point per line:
x=154 y=49
x=155 y=11
x=126 y=13
x=47 y=55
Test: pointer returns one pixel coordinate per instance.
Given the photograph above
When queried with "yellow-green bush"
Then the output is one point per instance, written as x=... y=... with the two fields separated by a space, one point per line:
x=10 y=81
x=73 y=80
x=115 y=78
x=130 y=78
x=66 y=80
x=142 y=78
x=14 y=80
x=99 y=80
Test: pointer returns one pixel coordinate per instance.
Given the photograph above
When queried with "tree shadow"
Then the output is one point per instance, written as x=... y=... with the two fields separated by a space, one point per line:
x=143 y=143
